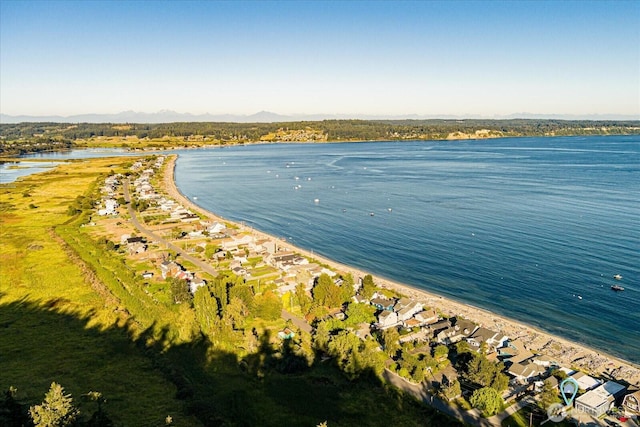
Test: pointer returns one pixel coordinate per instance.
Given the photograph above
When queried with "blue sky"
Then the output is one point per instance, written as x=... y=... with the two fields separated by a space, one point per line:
x=352 y=58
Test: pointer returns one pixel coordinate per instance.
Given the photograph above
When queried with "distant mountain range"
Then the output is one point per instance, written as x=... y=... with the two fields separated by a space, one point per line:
x=168 y=116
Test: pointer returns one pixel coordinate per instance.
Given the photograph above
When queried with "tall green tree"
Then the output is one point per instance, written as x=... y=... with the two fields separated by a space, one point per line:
x=206 y=308
x=304 y=301
x=549 y=395
x=268 y=306
x=346 y=288
x=179 y=290
x=368 y=287
x=487 y=400
x=57 y=409
x=326 y=292
x=451 y=389
x=245 y=293
x=237 y=312
x=391 y=341
x=359 y=313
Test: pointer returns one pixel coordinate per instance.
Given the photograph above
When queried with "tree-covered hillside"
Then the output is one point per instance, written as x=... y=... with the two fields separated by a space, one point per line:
x=327 y=130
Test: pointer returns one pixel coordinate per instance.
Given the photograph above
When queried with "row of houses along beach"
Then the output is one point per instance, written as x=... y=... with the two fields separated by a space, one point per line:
x=528 y=353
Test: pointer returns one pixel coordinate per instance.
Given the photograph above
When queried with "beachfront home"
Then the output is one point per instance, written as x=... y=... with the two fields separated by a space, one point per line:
x=631 y=403
x=585 y=382
x=406 y=308
x=382 y=303
x=511 y=348
x=525 y=372
x=598 y=401
x=440 y=325
x=492 y=339
x=460 y=330
x=387 y=319
x=216 y=228
x=426 y=316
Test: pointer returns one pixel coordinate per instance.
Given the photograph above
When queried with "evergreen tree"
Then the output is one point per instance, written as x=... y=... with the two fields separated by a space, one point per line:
x=549 y=395
x=368 y=287
x=487 y=400
x=56 y=410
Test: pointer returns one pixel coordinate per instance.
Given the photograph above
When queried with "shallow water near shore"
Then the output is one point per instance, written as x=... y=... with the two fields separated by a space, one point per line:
x=530 y=228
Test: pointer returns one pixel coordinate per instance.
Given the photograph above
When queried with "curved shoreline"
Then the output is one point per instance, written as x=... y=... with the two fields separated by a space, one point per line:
x=564 y=351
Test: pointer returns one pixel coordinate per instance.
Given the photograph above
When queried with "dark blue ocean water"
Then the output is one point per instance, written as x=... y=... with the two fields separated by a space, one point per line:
x=519 y=226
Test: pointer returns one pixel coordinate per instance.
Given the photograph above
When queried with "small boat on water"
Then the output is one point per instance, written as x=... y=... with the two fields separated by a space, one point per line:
x=617 y=276
x=617 y=288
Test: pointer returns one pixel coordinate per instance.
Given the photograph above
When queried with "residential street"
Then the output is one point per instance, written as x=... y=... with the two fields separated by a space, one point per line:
x=297 y=321
x=150 y=234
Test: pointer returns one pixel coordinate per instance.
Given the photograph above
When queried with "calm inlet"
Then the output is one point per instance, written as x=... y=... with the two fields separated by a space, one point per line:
x=530 y=228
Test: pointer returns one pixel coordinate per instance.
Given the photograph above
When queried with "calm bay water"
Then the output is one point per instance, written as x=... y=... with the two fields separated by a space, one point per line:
x=522 y=227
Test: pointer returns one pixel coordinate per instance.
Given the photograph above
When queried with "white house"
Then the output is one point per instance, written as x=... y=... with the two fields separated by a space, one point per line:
x=216 y=228
x=406 y=308
x=585 y=382
x=195 y=284
x=426 y=316
x=598 y=401
x=387 y=319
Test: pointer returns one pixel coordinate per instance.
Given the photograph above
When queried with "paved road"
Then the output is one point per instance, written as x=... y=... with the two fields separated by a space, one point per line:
x=297 y=321
x=150 y=234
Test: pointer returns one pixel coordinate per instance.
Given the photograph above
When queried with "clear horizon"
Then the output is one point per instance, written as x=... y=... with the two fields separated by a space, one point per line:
x=463 y=59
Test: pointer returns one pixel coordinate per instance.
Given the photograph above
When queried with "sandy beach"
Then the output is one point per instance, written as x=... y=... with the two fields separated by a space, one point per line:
x=568 y=354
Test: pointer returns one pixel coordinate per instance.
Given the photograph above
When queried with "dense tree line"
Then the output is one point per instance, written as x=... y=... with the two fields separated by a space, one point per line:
x=336 y=130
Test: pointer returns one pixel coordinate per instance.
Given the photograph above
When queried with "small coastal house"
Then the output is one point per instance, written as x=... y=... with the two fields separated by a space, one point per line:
x=110 y=208
x=426 y=316
x=461 y=329
x=387 y=319
x=421 y=335
x=631 y=403
x=439 y=325
x=196 y=283
x=492 y=339
x=286 y=334
x=406 y=308
x=514 y=351
x=136 y=248
x=598 y=401
x=359 y=299
x=585 y=382
x=446 y=335
x=383 y=304
x=169 y=269
x=525 y=372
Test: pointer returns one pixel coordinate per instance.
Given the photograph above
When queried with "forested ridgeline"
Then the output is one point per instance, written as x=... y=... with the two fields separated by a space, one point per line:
x=15 y=136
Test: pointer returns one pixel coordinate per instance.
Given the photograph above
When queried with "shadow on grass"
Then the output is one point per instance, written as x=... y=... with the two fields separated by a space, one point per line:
x=144 y=380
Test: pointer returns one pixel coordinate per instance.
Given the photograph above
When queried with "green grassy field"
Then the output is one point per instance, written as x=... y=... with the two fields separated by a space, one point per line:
x=73 y=312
